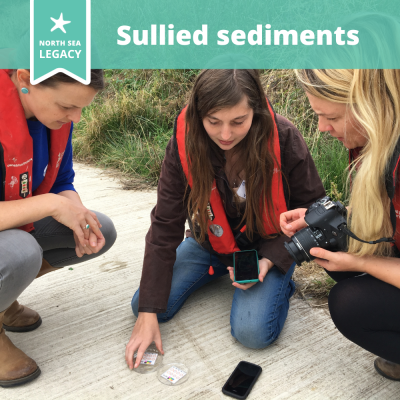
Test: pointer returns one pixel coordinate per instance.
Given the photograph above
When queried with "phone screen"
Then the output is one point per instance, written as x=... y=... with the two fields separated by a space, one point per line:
x=242 y=379
x=246 y=265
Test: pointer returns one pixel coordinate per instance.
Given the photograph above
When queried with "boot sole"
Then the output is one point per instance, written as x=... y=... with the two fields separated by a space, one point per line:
x=380 y=372
x=28 y=328
x=20 y=381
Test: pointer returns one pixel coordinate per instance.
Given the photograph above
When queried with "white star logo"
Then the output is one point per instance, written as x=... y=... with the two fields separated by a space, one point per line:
x=59 y=23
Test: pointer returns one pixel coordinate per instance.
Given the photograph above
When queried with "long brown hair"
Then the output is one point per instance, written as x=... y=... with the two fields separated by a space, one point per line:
x=213 y=91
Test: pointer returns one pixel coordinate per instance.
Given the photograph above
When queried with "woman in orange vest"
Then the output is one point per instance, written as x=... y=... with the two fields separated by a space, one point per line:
x=361 y=108
x=43 y=224
x=230 y=169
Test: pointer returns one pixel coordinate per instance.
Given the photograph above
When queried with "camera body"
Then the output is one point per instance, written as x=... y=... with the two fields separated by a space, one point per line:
x=324 y=219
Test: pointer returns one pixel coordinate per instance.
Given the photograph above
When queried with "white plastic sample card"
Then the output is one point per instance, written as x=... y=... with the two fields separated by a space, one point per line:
x=148 y=358
x=173 y=374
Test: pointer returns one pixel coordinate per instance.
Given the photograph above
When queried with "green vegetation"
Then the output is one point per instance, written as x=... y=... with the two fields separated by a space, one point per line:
x=330 y=156
x=321 y=288
x=129 y=124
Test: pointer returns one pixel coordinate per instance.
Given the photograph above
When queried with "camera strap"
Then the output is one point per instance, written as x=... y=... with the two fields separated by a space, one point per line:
x=348 y=232
x=390 y=182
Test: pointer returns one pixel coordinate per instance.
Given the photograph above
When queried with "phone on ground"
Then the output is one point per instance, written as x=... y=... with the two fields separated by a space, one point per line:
x=242 y=380
x=245 y=266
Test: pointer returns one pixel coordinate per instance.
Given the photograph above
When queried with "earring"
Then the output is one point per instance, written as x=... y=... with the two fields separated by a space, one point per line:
x=24 y=90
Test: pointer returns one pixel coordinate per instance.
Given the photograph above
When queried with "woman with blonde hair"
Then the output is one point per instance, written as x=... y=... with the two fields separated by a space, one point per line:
x=361 y=108
x=231 y=167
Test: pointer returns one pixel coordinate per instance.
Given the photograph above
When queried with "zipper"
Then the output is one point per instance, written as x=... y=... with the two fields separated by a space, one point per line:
x=3 y=172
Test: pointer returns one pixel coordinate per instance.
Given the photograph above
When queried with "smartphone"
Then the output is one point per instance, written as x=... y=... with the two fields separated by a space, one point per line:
x=242 y=380
x=245 y=266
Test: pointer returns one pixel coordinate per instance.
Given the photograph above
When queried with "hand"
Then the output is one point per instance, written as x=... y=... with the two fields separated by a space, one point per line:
x=264 y=264
x=94 y=246
x=145 y=331
x=75 y=216
x=293 y=221
x=338 y=261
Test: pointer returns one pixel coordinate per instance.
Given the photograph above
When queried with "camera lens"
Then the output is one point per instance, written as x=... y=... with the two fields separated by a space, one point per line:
x=299 y=247
x=294 y=252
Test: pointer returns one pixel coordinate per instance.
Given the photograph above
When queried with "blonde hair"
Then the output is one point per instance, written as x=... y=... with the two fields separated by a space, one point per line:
x=372 y=96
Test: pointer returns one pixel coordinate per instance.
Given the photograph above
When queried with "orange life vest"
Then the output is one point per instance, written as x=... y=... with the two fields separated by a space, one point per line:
x=16 y=148
x=226 y=243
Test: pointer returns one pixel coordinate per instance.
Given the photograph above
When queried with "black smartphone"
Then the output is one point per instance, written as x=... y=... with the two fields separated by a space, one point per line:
x=245 y=266
x=242 y=380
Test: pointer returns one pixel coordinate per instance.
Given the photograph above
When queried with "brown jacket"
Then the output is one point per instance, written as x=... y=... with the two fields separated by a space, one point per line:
x=169 y=215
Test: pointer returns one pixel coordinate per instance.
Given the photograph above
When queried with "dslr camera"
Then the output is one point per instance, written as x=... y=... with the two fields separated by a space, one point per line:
x=326 y=220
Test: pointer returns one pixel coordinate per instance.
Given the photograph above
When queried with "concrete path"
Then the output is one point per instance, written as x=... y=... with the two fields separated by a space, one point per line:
x=87 y=321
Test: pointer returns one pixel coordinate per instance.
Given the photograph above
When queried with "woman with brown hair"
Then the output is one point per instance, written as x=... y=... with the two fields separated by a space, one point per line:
x=231 y=167
x=43 y=224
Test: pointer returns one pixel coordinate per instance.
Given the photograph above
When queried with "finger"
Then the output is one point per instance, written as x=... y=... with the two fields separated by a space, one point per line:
x=263 y=272
x=129 y=352
x=322 y=253
x=88 y=250
x=80 y=235
x=94 y=226
x=100 y=245
x=92 y=240
x=158 y=343
x=262 y=276
x=85 y=231
x=85 y=228
x=284 y=218
x=83 y=249
x=288 y=229
x=230 y=270
x=79 y=250
x=295 y=226
x=243 y=286
x=140 y=354
x=290 y=216
x=94 y=216
x=287 y=233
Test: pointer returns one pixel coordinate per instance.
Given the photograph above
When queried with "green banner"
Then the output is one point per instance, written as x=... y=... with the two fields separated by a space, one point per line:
x=60 y=39
x=204 y=34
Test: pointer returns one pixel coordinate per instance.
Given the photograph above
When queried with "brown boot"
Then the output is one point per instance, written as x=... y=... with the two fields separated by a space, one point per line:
x=16 y=367
x=45 y=268
x=388 y=369
x=18 y=318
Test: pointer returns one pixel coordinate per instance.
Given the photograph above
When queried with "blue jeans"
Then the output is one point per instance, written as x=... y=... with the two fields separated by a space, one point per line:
x=257 y=315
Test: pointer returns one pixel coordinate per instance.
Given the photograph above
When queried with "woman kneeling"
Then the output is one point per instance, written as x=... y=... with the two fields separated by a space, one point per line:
x=230 y=168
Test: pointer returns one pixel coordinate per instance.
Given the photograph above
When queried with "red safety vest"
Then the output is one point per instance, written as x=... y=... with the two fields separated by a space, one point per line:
x=16 y=148
x=226 y=244
x=392 y=177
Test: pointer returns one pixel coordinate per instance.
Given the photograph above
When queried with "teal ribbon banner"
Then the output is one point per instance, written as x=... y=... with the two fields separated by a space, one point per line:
x=215 y=34
x=60 y=39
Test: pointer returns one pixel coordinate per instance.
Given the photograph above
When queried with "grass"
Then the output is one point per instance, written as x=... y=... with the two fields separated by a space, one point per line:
x=312 y=282
x=129 y=124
